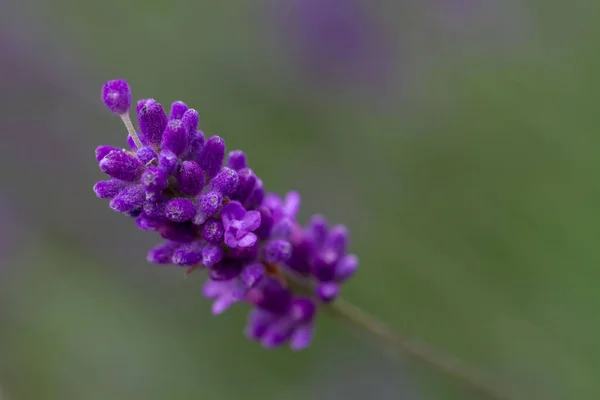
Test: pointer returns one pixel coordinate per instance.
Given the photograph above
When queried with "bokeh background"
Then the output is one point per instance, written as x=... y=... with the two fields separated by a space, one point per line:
x=458 y=140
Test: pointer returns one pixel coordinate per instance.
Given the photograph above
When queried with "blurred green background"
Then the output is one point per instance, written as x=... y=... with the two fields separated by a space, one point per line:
x=466 y=172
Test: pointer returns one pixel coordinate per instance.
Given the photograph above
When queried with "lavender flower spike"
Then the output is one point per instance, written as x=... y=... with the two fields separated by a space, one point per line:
x=219 y=217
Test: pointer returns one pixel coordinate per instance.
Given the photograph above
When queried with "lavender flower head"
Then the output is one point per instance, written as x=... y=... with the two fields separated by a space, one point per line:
x=214 y=214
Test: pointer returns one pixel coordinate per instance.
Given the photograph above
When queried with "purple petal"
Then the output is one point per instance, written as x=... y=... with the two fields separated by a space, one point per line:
x=291 y=204
x=248 y=240
x=231 y=212
x=327 y=291
x=277 y=333
x=346 y=267
x=221 y=304
x=301 y=337
x=252 y=274
x=212 y=289
x=251 y=221
x=230 y=239
x=302 y=309
x=258 y=322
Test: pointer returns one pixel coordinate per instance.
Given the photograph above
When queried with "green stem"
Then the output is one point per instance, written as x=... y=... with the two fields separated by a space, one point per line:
x=450 y=366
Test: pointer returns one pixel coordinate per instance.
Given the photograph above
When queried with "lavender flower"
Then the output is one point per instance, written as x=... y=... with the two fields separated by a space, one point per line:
x=219 y=218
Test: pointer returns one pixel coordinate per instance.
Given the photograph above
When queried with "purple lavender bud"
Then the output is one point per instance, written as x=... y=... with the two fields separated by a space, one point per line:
x=266 y=223
x=116 y=96
x=211 y=254
x=167 y=161
x=129 y=199
x=152 y=121
x=196 y=144
x=317 y=229
x=146 y=154
x=209 y=204
x=247 y=180
x=226 y=181
x=177 y=110
x=258 y=322
x=225 y=271
x=257 y=195
x=175 y=137
x=182 y=233
x=324 y=265
x=155 y=208
x=121 y=165
x=276 y=251
x=327 y=291
x=346 y=267
x=301 y=337
x=236 y=160
x=337 y=239
x=291 y=204
x=154 y=181
x=147 y=223
x=163 y=253
x=109 y=189
x=139 y=105
x=301 y=257
x=252 y=274
x=191 y=178
x=277 y=333
x=302 y=309
x=102 y=151
x=275 y=297
x=212 y=155
x=212 y=231
x=190 y=121
x=283 y=228
x=188 y=254
x=180 y=210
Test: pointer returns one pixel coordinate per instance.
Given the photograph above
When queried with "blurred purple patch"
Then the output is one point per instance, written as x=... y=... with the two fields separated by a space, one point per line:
x=487 y=20
x=335 y=41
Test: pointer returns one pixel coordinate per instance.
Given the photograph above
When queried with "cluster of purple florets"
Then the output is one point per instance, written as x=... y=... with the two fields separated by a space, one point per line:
x=219 y=218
